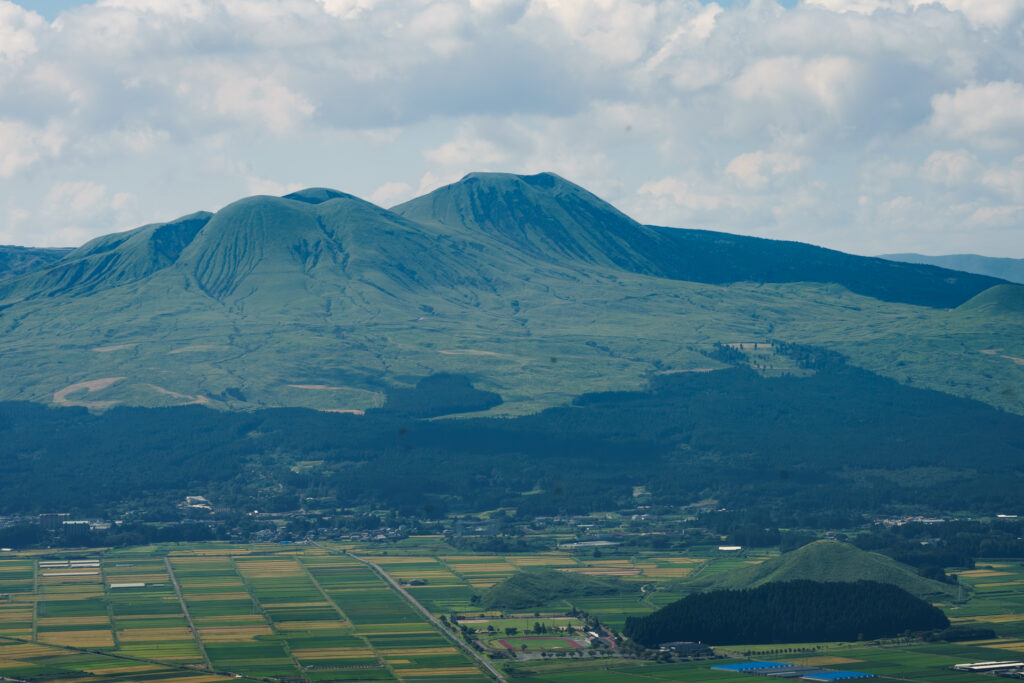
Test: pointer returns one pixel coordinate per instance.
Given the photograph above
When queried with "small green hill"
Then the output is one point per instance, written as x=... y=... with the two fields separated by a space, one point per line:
x=529 y=589
x=998 y=300
x=830 y=561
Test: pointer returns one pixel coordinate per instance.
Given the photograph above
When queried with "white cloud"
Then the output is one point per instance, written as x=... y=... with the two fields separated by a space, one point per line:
x=18 y=32
x=681 y=112
x=392 y=193
x=22 y=144
x=467 y=150
x=77 y=198
x=949 y=167
x=978 y=12
x=682 y=193
x=826 y=81
x=757 y=168
x=986 y=115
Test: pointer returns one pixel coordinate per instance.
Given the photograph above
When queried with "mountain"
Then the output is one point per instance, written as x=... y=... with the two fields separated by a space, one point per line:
x=830 y=561
x=1011 y=269
x=15 y=261
x=550 y=218
x=529 y=287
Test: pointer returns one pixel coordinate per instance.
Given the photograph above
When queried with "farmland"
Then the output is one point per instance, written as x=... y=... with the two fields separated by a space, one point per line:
x=213 y=611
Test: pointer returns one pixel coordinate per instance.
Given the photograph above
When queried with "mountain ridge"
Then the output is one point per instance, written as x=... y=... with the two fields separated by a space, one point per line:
x=1011 y=269
x=531 y=285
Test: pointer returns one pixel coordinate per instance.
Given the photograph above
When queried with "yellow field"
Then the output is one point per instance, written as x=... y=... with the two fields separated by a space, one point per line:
x=309 y=625
x=451 y=671
x=18 y=614
x=79 y=638
x=73 y=621
x=142 y=635
x=667 y=573
x=977 y=573
x=269 y=569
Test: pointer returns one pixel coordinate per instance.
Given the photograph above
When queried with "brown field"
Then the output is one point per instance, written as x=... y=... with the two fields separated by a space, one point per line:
x=667 y=572
x=25 y=651
x=73 y=621
x=79 y=638
x=18 y=614
x=142 y=635
x=309 y=625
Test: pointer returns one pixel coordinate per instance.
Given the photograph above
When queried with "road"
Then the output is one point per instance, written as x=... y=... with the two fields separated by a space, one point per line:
x=188 y=616
x=476 y=656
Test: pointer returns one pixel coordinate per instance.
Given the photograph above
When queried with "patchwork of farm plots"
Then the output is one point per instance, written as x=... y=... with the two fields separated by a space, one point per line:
x=205 y=614
x=216 y=611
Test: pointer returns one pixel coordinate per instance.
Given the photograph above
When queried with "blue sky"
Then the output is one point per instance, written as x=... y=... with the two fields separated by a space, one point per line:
x=870 y=126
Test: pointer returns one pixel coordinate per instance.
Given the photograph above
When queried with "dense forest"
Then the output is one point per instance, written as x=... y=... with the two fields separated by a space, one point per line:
x=788 y=612
x=827 y=447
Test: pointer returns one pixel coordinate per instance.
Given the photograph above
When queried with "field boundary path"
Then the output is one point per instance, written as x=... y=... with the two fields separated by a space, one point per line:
x=188 y=615
x=436 y=623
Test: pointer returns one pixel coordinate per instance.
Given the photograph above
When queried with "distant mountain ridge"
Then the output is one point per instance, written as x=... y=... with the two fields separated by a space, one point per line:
x=1011 y=269
x=15 y=261
x=530 y=286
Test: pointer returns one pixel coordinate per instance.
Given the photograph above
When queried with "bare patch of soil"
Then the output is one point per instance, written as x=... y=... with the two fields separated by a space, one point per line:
x=93 y=385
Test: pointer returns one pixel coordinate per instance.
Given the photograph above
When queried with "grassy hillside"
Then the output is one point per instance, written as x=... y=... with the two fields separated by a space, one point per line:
x=999 y=302
x=530 y=286
x=15 y=261
x=831 y=561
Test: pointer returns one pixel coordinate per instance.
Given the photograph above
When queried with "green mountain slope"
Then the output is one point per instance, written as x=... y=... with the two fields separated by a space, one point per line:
x=15 y=261
x=530 y=286
x=830 y=561
x=998 y=301
x=1011 y=269
x=546 y=216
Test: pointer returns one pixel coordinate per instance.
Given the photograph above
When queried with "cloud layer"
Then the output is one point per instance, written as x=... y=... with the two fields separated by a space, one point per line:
x=865 y=125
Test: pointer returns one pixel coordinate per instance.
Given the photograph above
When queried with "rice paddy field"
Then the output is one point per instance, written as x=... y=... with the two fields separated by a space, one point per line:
x=218 y=611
